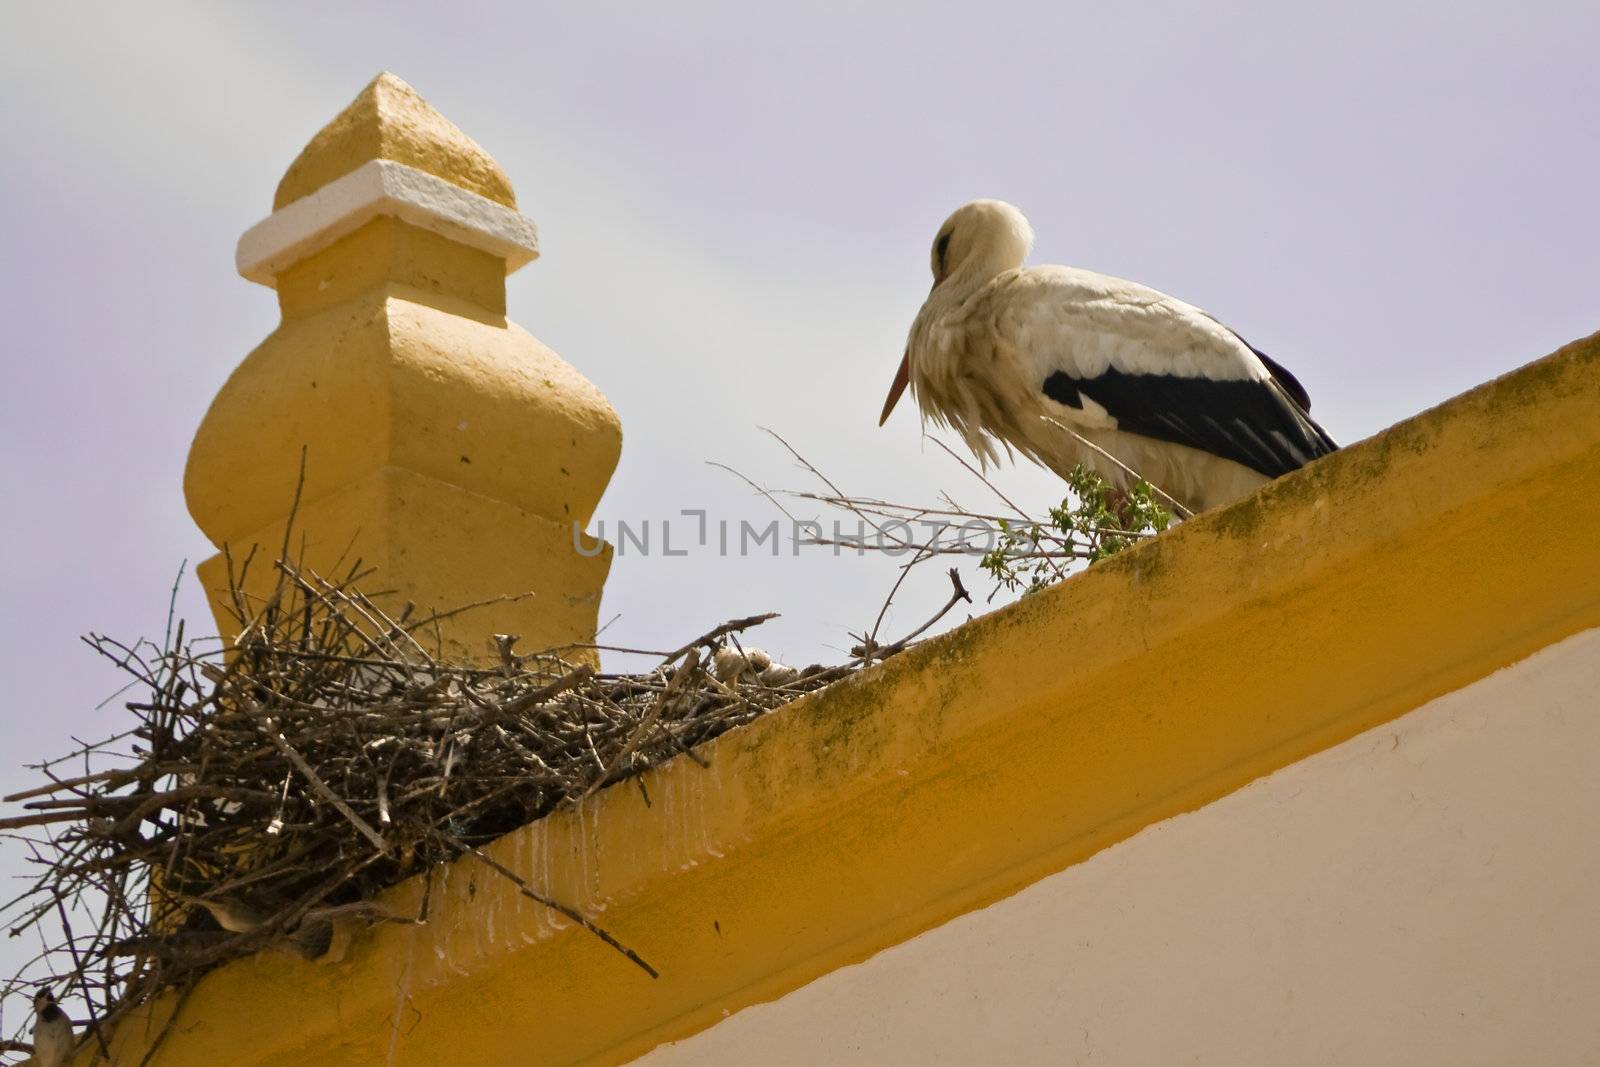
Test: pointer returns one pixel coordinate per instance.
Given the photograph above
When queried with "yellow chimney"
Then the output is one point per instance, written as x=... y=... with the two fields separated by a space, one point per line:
x=444 y=445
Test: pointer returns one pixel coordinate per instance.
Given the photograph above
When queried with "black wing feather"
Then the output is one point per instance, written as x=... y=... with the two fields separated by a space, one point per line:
x=1279 y=372
x=1259 y=423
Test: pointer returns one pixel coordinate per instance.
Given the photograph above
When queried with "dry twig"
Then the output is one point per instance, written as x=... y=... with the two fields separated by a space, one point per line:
x=327 y=756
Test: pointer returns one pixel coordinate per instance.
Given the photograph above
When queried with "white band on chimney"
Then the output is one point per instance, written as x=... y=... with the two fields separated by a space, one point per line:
x=384 y=187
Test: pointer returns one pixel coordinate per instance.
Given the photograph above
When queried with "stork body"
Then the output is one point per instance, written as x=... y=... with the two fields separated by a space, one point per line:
x=1071 y=367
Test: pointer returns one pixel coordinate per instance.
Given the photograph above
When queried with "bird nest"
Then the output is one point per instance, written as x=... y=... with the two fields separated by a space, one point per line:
x=261 y=793
x=267 y=791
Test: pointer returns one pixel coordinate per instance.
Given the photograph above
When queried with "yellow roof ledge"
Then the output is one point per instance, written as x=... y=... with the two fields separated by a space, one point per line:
x=390 y=120
x=967 y=768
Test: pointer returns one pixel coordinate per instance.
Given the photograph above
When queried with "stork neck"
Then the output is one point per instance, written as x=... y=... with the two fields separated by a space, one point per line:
x=966 y=280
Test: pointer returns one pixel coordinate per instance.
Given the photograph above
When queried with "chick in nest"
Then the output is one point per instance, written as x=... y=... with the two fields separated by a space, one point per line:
x=731 y=663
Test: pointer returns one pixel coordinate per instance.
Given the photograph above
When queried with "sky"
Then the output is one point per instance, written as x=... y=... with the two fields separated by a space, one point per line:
x=735 y=202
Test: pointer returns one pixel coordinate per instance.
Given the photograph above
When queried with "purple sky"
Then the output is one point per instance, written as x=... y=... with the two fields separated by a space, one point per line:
x=1395 y=200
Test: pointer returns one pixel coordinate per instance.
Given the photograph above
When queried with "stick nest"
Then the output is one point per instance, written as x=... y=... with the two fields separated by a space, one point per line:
x=328 y=755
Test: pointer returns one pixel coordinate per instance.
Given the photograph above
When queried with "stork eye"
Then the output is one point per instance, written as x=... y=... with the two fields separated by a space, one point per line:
x=940 y=247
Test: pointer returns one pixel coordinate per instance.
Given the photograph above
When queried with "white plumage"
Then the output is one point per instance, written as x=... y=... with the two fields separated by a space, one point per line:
x=731 y=663
x=1066 y=366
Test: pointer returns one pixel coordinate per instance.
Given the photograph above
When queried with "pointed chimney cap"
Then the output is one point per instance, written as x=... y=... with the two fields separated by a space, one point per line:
x=389 y=120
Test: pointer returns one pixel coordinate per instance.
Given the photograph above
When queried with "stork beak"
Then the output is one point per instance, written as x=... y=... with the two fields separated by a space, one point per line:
x=902 y=378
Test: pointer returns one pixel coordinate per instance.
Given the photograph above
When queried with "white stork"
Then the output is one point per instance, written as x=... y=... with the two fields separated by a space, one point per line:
x=1071 y=367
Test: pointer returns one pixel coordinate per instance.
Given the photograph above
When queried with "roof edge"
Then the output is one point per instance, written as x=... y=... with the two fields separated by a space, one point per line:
x=1336 y=599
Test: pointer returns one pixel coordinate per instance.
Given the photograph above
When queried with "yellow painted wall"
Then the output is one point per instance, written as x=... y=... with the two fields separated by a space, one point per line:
x=1422 y=893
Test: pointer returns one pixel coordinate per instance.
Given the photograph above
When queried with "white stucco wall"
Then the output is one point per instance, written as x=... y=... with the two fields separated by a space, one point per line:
x=1426 y=893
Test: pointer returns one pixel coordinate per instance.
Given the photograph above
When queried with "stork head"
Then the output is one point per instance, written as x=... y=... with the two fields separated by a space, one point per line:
x=983 y=238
